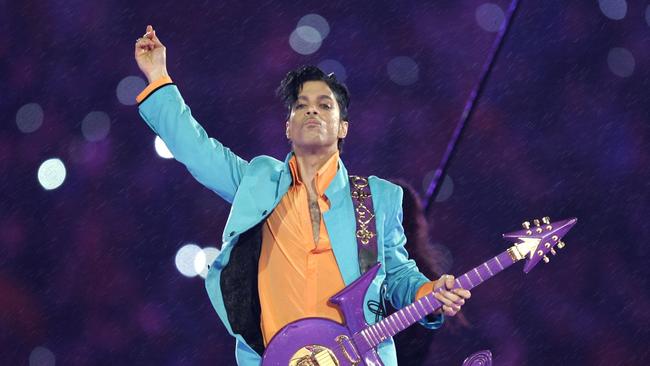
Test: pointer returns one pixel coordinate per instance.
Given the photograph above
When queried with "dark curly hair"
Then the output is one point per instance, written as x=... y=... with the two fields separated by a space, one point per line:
x=291 y=85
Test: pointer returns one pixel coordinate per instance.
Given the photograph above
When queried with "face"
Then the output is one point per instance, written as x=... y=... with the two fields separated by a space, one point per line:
x=315 y=122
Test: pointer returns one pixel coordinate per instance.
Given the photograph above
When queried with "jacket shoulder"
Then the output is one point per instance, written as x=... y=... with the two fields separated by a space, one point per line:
x=384 y=187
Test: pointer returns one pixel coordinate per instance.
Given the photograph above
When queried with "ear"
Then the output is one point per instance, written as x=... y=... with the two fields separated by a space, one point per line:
x=343 y=129
x=286 y=129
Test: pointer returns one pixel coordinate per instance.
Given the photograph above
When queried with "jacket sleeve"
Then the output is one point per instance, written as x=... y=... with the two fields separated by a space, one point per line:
x=402 y=275
x=211 y=163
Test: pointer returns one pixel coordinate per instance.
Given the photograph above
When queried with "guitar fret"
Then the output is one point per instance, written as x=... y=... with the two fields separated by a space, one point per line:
x=401 y=320
x=478 y=274
x=415 y=310
x=389 y=326
x=365 y=337
x=431 y=306
x=379 y=331
x=383 y=326
x=498 y=261
x=394 y=323
x=458 y=284
x=375 y=334
x=424 y=310
x=372 y=336
x=409 y=312
x=469 y=280
x=488 y=268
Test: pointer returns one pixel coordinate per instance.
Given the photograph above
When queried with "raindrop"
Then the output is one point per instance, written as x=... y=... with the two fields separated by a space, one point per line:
x=95 y=126
x=613 y=9
x=403 y=70
x=51 y=173
x=129 y=88
x=29 y=117
x=489 y=17
x=621 y=62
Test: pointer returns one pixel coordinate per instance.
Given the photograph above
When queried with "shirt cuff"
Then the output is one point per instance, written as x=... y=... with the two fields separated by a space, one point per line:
x=152 y=87
x=425 y=289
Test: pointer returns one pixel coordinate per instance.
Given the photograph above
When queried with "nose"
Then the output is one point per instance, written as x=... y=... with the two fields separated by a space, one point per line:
x=312 y=111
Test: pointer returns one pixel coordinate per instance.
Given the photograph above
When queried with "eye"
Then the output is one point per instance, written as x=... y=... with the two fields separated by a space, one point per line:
x=299 y=106
x=326 y=106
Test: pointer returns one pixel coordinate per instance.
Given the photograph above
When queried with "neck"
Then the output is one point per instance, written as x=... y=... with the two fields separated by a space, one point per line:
x=309 y=161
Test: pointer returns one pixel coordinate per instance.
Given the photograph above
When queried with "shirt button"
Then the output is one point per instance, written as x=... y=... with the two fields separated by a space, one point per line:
x=264 y=213
x=232 y=233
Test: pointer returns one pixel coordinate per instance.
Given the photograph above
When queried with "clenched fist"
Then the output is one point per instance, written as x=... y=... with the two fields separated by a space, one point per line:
x=150 y=55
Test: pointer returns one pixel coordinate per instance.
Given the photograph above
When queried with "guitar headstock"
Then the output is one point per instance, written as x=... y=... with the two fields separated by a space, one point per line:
x=538 y=239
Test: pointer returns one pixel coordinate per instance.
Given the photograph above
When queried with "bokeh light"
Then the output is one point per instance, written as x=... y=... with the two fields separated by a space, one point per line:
x=210 y=254
x=95 y=126
x=621 y=62
x=489 y=16
x=334 y=66
x=51 y=173
x=186 y=259
x=445 y=191
x=317 y=22
x=129 y=88
x=29 y=117
x=305 y=40
x=613 y=9
x=41 y=356
x=161 y=148
x=403 y=70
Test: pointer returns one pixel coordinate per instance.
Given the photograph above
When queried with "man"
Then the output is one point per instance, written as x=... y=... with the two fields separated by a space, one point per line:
x=289 y=243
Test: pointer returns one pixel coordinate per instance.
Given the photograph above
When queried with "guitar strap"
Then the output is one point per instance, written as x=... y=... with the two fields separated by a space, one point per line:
x=364 y=213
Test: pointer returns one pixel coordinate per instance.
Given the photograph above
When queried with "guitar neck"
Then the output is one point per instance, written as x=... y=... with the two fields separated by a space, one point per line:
x=428 y=304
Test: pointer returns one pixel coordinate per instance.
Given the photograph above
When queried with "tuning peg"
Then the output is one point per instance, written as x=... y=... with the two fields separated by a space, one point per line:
x=560 y=244
x=553 y=251
x=536 y=222
x=545 y=259
x=546 y=220
x=525 y=225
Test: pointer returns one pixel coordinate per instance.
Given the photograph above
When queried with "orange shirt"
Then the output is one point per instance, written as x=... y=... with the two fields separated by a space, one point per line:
x=296 y=276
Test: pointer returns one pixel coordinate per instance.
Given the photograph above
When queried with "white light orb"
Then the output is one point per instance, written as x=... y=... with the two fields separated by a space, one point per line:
x=317 y=22
x=161 y=148
x=489 y=16
x=305 y=40
x=129 y=88
x=329 y=66
x=210 y=254
x=621 y=62
x=95 y=126
x=185 y=259
x=613 y=9
x=29 y=117
x=403 y=70
x=41 y=356
x=51 y=173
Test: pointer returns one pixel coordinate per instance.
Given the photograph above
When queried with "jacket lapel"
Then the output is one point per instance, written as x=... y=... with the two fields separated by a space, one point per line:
x=341 y=226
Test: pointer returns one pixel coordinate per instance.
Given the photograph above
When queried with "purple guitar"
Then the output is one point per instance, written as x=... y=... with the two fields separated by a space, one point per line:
x=322 y=342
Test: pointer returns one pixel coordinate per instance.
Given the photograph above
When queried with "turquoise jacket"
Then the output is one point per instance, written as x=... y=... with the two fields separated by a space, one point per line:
x=254 y=188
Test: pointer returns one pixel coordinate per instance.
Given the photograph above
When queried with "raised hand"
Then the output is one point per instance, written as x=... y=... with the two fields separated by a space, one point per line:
x=150 y=54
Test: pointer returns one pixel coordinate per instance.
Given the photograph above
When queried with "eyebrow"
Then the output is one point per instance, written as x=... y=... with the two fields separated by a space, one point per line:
x=302 y=97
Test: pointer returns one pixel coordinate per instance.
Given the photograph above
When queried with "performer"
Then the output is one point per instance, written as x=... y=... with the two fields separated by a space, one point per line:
x=289 y=242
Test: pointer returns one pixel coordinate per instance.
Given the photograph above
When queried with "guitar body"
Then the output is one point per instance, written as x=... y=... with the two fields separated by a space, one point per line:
x=311 y=342
x=323 y=342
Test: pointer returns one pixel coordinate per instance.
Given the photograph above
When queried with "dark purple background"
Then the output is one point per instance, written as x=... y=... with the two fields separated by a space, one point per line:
x=87 y=270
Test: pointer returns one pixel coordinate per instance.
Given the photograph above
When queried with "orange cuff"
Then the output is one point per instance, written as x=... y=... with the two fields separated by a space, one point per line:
x=153 y=86
x=424 y=290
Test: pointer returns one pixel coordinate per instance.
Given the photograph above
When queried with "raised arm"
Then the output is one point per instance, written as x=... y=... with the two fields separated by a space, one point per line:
x=165 y=112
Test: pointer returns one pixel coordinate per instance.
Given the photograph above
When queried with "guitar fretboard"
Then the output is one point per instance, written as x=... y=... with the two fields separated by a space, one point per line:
x=428 y=304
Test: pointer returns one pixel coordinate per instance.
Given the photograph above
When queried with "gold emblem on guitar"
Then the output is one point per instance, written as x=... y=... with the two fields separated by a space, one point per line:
x=314 y=355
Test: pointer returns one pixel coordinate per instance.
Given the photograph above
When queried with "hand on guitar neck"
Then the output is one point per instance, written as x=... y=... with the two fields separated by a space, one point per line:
x=452 y=297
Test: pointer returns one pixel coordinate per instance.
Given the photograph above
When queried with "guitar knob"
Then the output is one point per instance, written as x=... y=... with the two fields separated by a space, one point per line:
x=561 y=245
x=546 y=260
x=525 y=225
x=546 y=220
x=536 y=222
